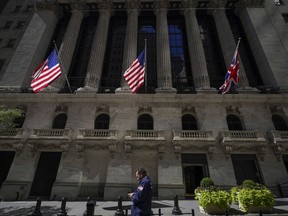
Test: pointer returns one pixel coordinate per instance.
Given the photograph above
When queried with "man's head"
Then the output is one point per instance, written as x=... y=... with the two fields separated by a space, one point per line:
x=140 y=174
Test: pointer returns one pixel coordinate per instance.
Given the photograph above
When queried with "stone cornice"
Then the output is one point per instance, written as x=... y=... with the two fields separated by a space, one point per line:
x=133 y=4
x=161 y=4
x=188 y=4
x=105 y=5
x=217 y=3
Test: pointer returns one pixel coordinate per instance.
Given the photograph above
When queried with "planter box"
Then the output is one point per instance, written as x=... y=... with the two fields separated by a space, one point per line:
x=256 y=209
x=213 y=210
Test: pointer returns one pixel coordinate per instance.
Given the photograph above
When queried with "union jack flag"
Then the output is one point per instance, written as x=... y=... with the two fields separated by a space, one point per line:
x=232 y=75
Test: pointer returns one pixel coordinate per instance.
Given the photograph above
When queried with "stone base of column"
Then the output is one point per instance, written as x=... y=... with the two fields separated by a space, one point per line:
x=206 y=90
x=50 y=89
x=248 y=90
x=166 y=90
x=124 y=89
x=86 y=89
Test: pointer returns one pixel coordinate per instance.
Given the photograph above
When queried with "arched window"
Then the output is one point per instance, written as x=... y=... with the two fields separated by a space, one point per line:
x=19 y=121
x=145 y=122
x=279 y=123
x=234 y=122
x=102 y=121
x=59 y=121
x=189 y=122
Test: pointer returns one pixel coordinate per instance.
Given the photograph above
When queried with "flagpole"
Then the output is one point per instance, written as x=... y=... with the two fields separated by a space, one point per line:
x=239 y=39
x=61 y=66
x=145 y=59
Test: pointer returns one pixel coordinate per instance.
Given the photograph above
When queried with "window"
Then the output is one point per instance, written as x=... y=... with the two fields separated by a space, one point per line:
x=285 y=160
x=279 y=123
x=20 y=25
x=16 y=9
x=8 y=25
x=11 y=43
x=147 y=30
x=1 y=41
x=18 y=122
x=2 y=61
x=285 y=17
x=112 y=68
x=28 y=9
x=234 y=122
x=102 y=122
x=181 y=69
x=189 y=122
x=213 y=54
x=145 y=122
x=59 y=121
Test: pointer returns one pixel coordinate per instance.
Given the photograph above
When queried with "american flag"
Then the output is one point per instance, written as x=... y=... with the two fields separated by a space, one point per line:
x=46 y=73
x=134 y=75
x=232 y=75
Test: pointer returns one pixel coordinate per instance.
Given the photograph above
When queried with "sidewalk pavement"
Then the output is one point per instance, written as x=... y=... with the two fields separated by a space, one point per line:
x=109 y=208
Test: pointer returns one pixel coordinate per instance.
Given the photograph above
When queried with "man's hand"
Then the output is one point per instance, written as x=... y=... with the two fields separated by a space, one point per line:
x=130 y=195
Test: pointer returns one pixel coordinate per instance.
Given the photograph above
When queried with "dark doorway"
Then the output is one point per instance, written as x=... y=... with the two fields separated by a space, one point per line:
x=45 y=174
x=194 y=169
x=246 y=167
x=192 y=178
x=6 y=159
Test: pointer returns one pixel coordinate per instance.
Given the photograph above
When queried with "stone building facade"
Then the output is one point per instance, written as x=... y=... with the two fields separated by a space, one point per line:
x=88 y=137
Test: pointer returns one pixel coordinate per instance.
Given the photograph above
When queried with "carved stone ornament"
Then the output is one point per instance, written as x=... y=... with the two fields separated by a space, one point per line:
x=105 y=5
x=252 y=3
x=161 y=4
x=102 y=109
x=61 y=109
x=145 y=109
x=133 y=4
x=233 y=109
x=188 y=110
x=189 y=4
x=276 y=109
x=45 y=5
x=128 y=148
x=217 y=3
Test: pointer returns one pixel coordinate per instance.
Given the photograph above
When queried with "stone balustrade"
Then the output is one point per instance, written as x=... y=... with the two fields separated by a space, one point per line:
x=11 y=133
x=144 y=134
x=51 y=133
x=97 y=134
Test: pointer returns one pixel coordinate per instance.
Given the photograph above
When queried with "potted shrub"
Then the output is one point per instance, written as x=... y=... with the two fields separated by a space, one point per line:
x=212 y=200
x=254 y=197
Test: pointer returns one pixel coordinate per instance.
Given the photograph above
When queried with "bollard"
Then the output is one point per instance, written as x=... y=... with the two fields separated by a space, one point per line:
x=260 y=213
x=17 y=196
x=62 y=211
x=176 y=210
x=193 y=213
x=119 y=211
x=90 y=207
x=37 y=211
x=126 y=212
x=226 y=212
x=159 y=212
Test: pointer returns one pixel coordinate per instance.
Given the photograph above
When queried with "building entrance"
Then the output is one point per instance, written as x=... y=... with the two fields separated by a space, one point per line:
x=6 y=159
x=45 y=174
x=246 y=167
x=194 y=169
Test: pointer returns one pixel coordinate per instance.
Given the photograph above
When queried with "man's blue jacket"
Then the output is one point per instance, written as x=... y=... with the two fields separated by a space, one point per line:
x=142 y=198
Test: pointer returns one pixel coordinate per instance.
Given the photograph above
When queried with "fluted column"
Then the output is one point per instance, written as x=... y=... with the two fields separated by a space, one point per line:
x=29 y=54
x=130 y=46
x=196 y=50
x=67 y=47
x=227 y=42
x=97 y=55
x=164 y=72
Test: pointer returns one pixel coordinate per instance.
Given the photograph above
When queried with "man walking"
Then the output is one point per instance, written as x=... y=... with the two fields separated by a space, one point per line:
x=142 y=197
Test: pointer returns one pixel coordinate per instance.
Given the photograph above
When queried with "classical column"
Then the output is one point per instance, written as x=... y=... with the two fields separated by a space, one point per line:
x=164 y=72
x=30 y=53
x=67 y=47
x=267 y=48
x=130 y=46
x=196 y=50
x=97 y=55
x=227 y=41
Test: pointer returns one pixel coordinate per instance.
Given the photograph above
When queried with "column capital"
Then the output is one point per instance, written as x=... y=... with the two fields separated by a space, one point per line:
x=43 y=5
x=78 y=6
x=133 y=4
x=217 y=3
x=189 y=4
x=160 y=4
x=251 y=3
x=105 y=5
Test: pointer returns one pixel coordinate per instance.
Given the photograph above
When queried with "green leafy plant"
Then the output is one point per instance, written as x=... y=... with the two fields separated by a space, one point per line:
x=7 y=115
x=234 y=193
x=218 y=198
x=206 y=183
x=255 y=197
